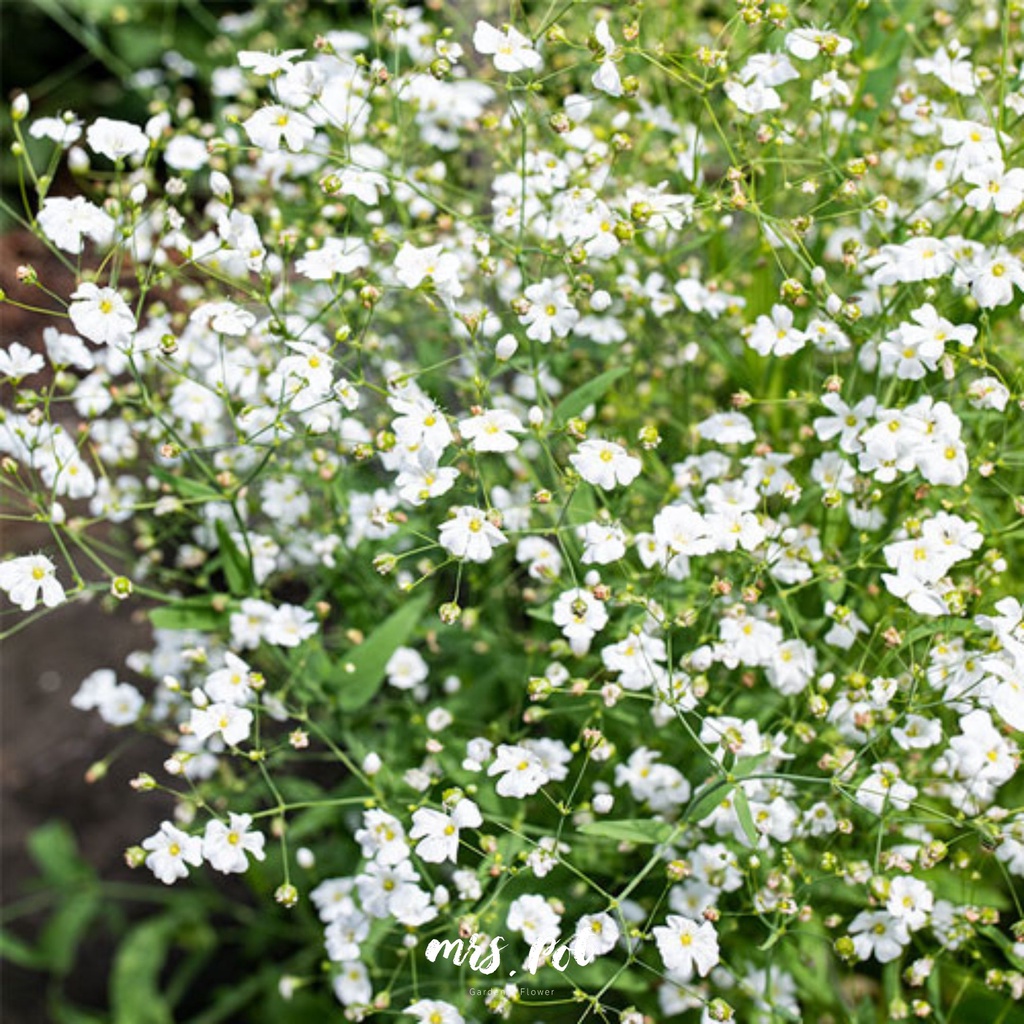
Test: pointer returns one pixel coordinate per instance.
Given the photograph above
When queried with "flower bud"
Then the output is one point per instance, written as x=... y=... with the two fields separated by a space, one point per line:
x=505 y=347
x=287 y=895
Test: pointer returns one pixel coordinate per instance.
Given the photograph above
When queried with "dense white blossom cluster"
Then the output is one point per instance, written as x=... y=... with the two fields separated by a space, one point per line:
x=607 y=456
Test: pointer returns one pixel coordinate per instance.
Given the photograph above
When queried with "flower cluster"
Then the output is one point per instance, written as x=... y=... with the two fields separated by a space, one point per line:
x=600 y=442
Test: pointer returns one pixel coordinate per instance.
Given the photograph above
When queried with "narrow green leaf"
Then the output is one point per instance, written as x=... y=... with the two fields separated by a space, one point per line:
x=361 y=670
x=17 y=951
x=748 y=765
x=631 y=830
x=772 y=939
x=705 y=800
x=205 y=612
x=235 y=564
x=135 y=995
x=576 y=401
x=1005 y=944
x=68 y=928
x=742 y=806
x=187 y=487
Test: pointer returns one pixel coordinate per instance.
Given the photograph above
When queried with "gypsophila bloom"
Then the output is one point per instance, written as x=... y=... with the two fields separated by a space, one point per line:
x=225 y=847
x=469 y=534
x=605 y=464
x=511 y=50
x=438 y=833
x=685 y=945
x=29 y=580
x=171 y=852
x=102 y=315
x=229 y=721
x=434 y=1011
x=521 y=771
x=274 y=126
x=17 y=361
x=116 y=139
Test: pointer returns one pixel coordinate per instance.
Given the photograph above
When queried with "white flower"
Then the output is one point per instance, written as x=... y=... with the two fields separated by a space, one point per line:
x=606 y=77
x=225 y=846
x=289 y=625
x=271 y=126
x=602 y=543
x=171 y=851
x=727 y=428
x=534 y=918
x=754 y=98
x=421 y=478
x=224 y=318
x=491 y=430
x=406 y=668
x=550 y=312
x=776 y=335
x=230 y=721
x=29 y=579
x=121 y=705
x=471 y=535
x=94 y=689
x=434 y=1011
x=19 y=361
x=684 y=944
x=884 y=788
x=414 y=266
x=231 y=684
x=382 y=837
x=605 y=464
x=910 y=901
x=579 y=615
x=521 y=771
x=438 y=833
x=995 y=188
x=186 y=153
x=877 y=933
x=65 y=131
x=807 y=43
x=268 y=64
x=116 y=139
x=335 y=256
x=101 y=315
x=992 y=283
x=988 y=393
x=67 y=222
x=596 y=934
x=511 y=49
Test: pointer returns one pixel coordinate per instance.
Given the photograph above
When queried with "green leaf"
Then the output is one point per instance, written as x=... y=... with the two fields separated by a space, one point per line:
x=631 y=830
x=235 y=564
x=1004 y=943
x=68 y=928
x=205 y=612
x=748 y=765
x=705 y=800
x=135 y=995
x=52 y=846
x=362 y=669
x=576 y=401
x=742 y=807
x=186 y=487
x=16 y=951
